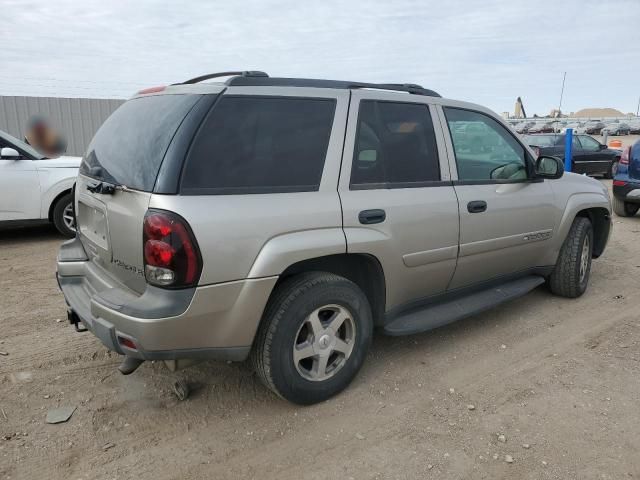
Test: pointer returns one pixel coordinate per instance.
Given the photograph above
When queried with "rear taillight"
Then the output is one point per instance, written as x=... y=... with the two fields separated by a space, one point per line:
x=171 y=255
x=624 y=158
x=619 y=183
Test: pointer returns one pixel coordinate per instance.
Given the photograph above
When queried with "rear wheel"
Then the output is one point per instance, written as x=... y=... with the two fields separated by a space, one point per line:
x=624 y=209
x=613 y=169
x=570 y=276
x=313 y=338
x=63 y=216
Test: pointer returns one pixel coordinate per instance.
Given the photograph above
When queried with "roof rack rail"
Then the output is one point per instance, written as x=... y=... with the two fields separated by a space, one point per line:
x=266 y=81
x=246 y=73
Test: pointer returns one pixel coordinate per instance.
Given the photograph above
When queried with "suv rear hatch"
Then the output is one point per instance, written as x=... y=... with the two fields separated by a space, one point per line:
x=117 y=178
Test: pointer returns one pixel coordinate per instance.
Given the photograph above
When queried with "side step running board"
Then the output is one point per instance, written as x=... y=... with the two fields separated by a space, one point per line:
x=439 y=314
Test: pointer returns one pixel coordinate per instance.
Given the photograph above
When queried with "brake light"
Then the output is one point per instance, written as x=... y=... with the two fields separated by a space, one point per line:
x=624 y=158
x=151 y=90
x=171 y=254
x=619 y=183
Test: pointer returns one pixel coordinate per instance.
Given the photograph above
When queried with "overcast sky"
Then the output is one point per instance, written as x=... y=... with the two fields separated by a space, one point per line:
x=488 y=51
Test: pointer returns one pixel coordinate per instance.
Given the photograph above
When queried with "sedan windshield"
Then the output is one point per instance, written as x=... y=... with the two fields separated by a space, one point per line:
x=23 y=147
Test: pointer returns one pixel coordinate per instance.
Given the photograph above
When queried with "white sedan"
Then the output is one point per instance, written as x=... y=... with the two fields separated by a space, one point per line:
x=34 y=188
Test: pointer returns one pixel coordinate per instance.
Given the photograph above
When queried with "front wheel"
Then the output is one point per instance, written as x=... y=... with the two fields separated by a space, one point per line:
x=570 y=276
x=624 y=209
x=63 y=216
x=313 y=338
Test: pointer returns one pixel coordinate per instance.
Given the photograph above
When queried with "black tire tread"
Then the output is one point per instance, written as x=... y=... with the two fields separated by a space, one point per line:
x=564 y=280
x=621 y=208
x=278 y=304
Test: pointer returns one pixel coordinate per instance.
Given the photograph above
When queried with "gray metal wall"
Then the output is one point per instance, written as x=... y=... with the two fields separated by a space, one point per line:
x=76 y=118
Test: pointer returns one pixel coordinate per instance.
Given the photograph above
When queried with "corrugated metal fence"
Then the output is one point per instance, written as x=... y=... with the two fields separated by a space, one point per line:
x=76 y=118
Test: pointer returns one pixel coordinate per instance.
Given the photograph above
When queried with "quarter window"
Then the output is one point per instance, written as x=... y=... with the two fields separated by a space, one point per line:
x=260 y=145
x=484 y=149
x=395 y=146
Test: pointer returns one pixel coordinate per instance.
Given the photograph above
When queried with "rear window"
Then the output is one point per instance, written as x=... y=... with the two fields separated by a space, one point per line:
x=130 y=145
x=253 y=144
x=543 y=140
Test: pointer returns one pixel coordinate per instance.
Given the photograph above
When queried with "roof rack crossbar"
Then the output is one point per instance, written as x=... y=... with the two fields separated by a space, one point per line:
x=246 y=73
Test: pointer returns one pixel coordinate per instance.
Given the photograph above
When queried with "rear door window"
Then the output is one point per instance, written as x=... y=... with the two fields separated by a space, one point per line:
x=129 y=146
x=250 y=144
x=395 y=146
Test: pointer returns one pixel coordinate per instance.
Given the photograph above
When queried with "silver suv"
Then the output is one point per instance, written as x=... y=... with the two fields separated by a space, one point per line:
x=284 y=219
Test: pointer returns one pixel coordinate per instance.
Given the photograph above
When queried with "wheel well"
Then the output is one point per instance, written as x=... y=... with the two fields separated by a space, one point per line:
x=55 y=200
x=600 y=221
x=362 y=269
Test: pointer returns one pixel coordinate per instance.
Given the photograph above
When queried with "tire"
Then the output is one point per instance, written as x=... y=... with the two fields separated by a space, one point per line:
x=570 y=277
x=624 y=209
x=613 y=168
x=286 y=326
x=60 y=211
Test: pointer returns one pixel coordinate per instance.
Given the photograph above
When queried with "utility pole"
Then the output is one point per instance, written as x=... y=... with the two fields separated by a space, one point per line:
x=561 y=93
x=638 y=107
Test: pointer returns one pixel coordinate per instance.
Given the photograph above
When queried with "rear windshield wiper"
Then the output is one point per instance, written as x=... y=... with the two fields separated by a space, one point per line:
x=106 y=188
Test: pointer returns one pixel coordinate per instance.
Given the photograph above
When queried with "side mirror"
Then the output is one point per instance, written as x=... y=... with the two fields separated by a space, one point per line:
x=8 y=153
x=603 y=147
x=549 y=167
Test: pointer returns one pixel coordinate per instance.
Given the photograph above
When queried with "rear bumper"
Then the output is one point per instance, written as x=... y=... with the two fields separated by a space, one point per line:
x=209 y=322
x=629 y=192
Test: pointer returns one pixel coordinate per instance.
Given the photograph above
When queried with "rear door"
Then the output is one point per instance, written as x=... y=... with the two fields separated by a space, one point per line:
x=506 y=216
x=127 y=151
x=397 y=200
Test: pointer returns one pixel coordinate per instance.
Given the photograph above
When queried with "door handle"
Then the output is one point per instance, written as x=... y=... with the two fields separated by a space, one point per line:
x=369 y=217
x=477 y=206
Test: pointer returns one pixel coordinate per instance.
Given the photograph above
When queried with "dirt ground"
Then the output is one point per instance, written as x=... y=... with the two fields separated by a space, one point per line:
x=558 y=378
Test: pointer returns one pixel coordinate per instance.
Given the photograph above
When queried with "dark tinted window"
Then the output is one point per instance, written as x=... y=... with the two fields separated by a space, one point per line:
x=395 y=145
x=484 y=149
x=130 y=145
x=260 y=144
x=544 y=140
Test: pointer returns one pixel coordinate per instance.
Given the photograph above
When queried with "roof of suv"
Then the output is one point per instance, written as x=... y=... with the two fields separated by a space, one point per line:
x=261 y=79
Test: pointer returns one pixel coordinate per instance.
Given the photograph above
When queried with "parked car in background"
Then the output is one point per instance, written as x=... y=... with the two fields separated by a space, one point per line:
x=574 y=126
x=626 y=183
x=618 y=128
x=593 y=128
x=34 y=188
x=282 y=219
x=589 y=155
x=523 y=127
x=546 y=127
x=634 y=127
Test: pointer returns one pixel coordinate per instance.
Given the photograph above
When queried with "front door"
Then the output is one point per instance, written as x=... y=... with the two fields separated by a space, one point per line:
x=397 y=199
x=19 y=190
x=506 y=216
x=591 y=158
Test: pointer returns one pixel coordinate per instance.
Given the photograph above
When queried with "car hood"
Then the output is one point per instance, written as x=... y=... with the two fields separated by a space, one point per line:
x=61 y=162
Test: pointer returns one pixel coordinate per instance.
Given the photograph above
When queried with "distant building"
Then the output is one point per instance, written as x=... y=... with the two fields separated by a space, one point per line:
x=77 y=119
x=598 y=113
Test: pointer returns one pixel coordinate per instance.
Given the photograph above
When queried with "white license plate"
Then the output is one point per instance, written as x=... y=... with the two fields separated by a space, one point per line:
x=93 y=224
